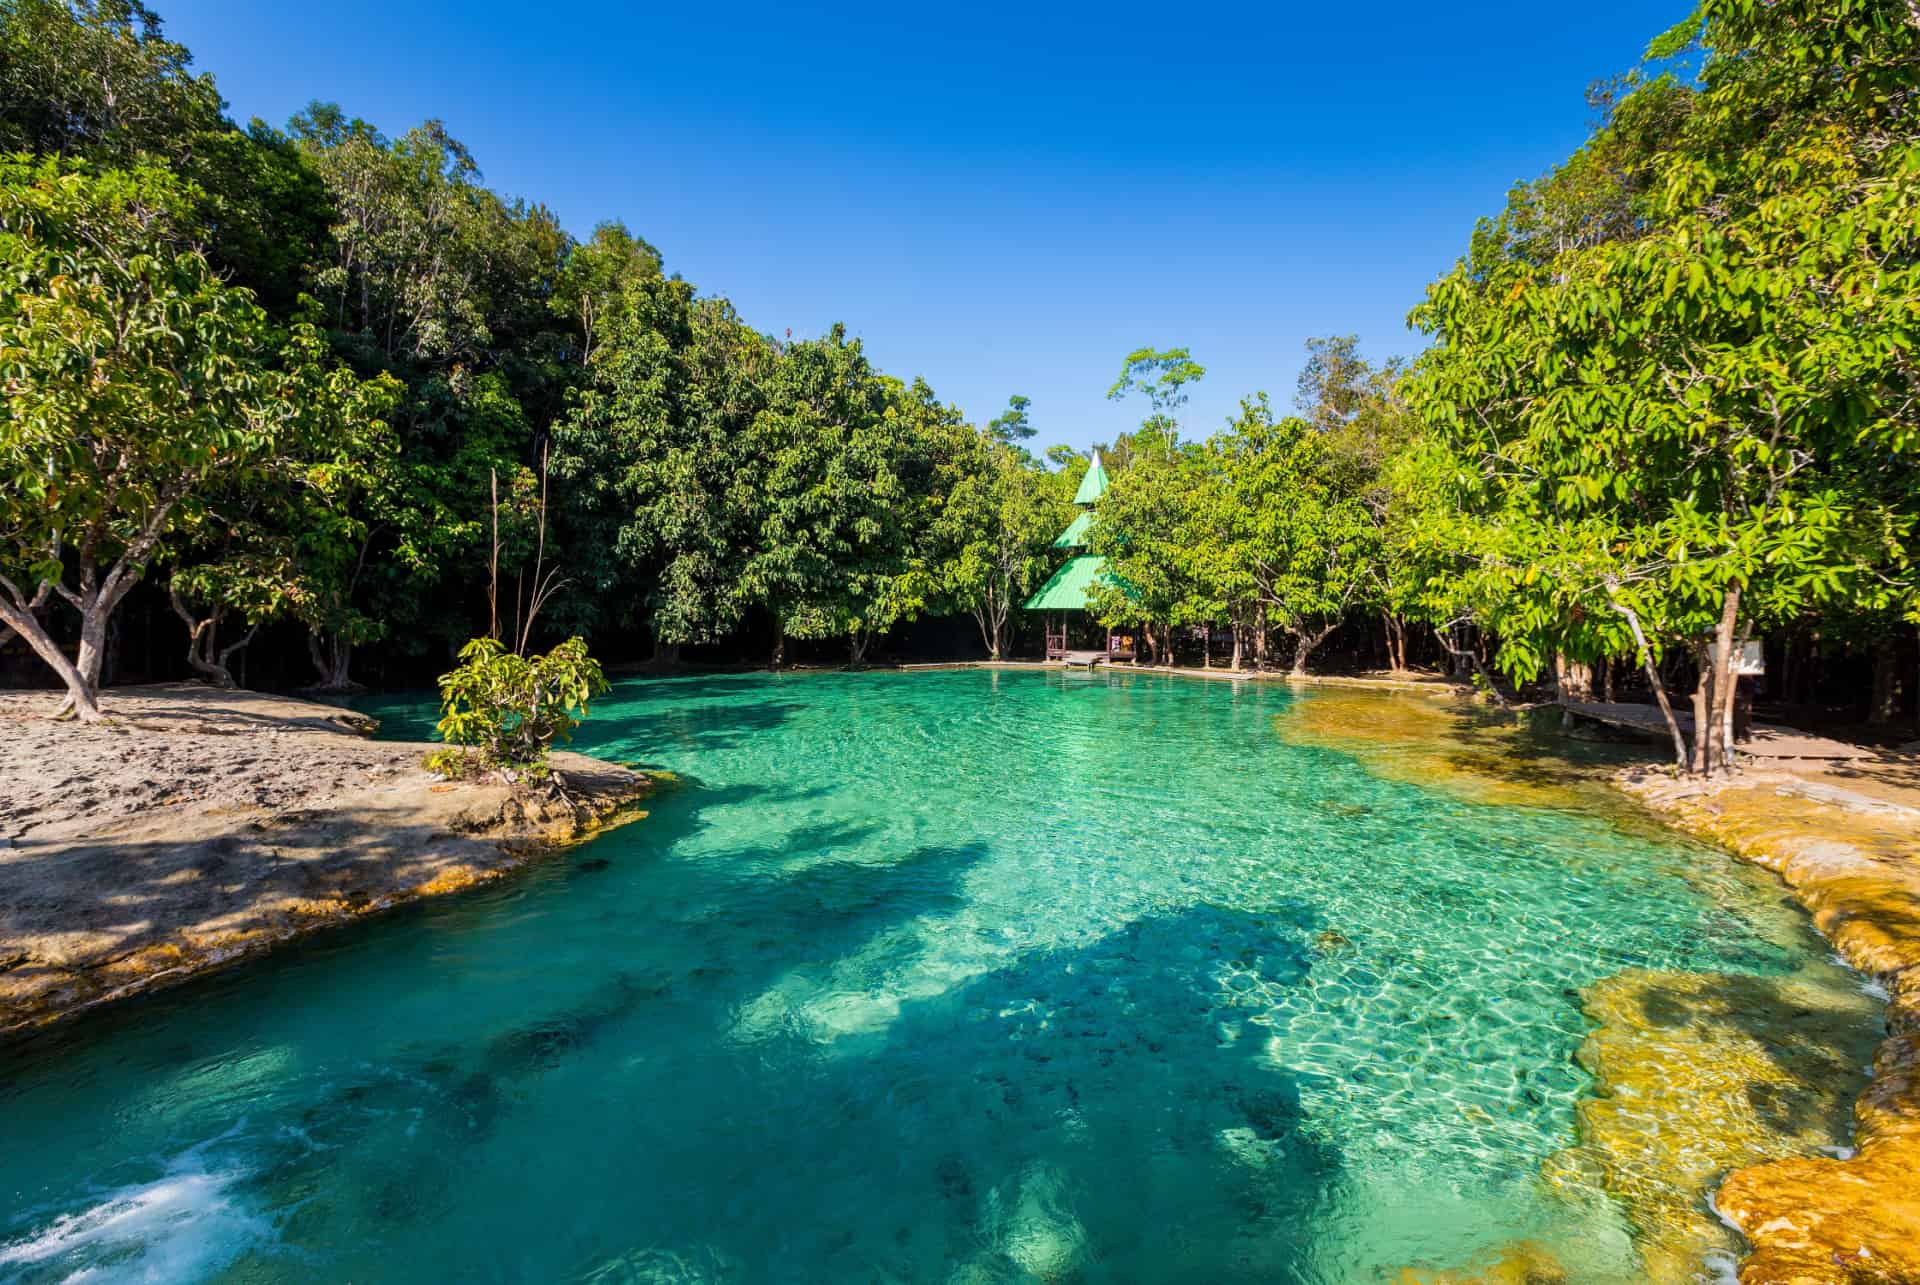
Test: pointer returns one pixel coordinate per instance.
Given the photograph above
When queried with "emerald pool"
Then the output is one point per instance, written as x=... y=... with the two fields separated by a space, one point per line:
x=960 y=976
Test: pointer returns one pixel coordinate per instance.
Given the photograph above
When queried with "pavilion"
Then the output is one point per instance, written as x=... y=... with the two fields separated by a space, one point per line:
x=1066 y=591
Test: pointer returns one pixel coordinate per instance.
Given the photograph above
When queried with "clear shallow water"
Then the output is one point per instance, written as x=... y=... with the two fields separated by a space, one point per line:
x=953 y=976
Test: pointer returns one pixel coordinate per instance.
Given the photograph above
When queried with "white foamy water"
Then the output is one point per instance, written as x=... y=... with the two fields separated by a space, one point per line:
x=182 y=1226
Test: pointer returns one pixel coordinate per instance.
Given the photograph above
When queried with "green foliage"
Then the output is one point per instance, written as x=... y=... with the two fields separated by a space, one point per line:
x=1012 y=424
x=97 y=78
x=1159 y=376
x=994 y=533
x=512 y=707
x=1702 y=403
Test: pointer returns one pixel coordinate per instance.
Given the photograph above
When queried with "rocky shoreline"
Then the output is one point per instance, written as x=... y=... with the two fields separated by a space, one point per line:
x=1854 y=862
x=196 y=828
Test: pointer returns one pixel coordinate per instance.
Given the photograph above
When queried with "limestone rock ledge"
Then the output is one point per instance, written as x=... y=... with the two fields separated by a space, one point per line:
x=153 y=852
x=1855 y=865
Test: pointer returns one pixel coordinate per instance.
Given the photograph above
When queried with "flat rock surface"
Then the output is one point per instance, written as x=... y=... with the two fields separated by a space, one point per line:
x=195 y=826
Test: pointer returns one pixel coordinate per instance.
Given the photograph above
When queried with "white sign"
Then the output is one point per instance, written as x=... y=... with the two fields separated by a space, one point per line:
x=1751 y=661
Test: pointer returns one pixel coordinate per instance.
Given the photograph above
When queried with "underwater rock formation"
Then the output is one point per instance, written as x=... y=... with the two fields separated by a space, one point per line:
x=1851 y=862
x=1699 y=1073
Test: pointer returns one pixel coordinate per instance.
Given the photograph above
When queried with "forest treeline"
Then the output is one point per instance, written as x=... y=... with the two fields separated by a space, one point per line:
x=320 y=388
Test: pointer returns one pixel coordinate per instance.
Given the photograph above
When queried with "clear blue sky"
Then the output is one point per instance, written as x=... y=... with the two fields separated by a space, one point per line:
x=1000 y=198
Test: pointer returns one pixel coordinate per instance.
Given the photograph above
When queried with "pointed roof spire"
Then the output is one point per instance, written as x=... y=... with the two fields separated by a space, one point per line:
x=1094 y=484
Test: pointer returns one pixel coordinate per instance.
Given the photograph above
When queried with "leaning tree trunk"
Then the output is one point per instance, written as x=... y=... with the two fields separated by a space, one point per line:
x=1468 y=658
x=82 y=701
x=857 y=642
x=1653 y=678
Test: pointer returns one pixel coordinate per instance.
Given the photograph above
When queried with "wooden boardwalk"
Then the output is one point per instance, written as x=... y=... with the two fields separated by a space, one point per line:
x=1087 y=658
x=1767 y=740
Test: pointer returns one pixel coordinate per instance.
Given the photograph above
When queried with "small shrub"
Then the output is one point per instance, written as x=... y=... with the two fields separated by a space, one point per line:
x=512 y=708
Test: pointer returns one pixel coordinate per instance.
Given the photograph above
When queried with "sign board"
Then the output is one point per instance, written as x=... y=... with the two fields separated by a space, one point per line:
x=1751 y=661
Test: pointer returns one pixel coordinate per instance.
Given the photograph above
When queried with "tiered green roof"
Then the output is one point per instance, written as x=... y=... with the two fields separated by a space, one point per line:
x=1093 y=485
x=1075 y=536
x=1067 y=589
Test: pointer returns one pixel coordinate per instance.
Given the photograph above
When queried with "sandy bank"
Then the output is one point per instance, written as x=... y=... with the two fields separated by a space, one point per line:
x=196 y=827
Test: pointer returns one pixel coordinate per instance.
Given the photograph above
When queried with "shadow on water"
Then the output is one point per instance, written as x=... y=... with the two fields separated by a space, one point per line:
x=993 y=1125
x=1808 y=1047
x=639 y=728
x=1015 y=1121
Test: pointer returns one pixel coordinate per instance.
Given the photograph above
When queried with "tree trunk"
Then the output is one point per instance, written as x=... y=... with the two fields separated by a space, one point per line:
x=1727 y=660
x=1206 y=646
x=202 y=639
x=1305 y=643
x=81 y=700
x=1653 y=679
x=332 y=657
x=1396 y=642
x=1701 y=760
x=1260 y=637
x=1239 y=642
x=1884 y=703
x=1572 y=679
x=857 y=648
x=779 y=649
x=1468 y=658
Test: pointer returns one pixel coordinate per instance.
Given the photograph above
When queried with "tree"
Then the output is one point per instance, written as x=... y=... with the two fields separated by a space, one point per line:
x=514 y=707
x=1159 y=375
x=1012 y=425
x=275 y=541
x=135 y=381
x=997 y=528
x=842 y=455
x=651 y=452
x=1310 y=543
x=598 y=272
x=1710 y=402
x=97 y=78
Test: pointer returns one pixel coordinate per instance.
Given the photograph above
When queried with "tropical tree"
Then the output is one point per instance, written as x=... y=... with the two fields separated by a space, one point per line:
x=137 y=384
x=997 y=528
x=1311 y=546
x=1710 y=400
x=98 y=78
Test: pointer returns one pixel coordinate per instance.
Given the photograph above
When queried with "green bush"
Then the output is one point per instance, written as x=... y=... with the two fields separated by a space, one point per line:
x=512 y=707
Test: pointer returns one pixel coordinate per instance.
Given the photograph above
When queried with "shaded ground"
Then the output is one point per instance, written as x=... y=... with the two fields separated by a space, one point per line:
x=196 y=826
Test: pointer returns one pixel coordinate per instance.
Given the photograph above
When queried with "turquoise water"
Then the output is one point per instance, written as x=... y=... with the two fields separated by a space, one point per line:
x=956 y=976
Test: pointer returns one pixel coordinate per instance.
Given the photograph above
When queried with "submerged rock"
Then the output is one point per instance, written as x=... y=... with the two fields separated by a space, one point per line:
x=1699 y=1073
x=1849 y=860
x=1524 y=1263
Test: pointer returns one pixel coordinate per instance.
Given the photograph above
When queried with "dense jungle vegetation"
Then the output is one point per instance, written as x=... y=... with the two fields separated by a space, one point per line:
x=316 y=401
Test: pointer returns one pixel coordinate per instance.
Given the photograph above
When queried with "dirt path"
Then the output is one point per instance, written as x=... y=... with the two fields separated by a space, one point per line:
x=195 y=827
